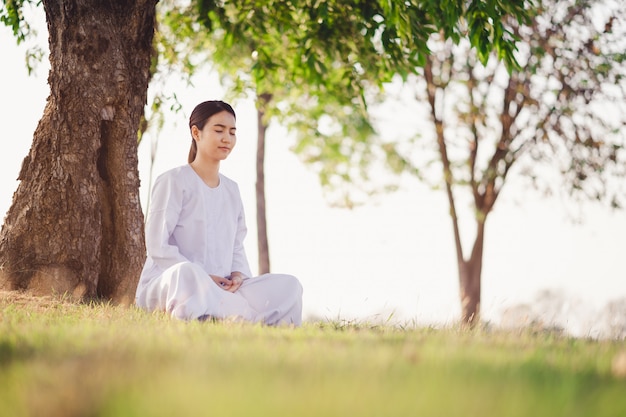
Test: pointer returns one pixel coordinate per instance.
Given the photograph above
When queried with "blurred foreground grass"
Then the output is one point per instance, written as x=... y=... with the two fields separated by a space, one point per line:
x=62 y=359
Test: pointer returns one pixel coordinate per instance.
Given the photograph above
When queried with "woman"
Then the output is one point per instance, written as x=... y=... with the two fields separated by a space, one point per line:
x=196 y=266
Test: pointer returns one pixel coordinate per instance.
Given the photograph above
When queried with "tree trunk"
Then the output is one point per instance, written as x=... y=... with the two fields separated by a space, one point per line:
x=75 y=225
x=261 y=217
x=469 y=280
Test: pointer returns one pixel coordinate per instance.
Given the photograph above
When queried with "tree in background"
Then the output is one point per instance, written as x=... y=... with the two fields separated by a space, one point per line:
x=280 y=54
x=75 y=225
x=562 y=112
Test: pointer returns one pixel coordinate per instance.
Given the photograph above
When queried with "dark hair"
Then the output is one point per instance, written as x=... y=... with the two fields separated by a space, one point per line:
x=201 y=114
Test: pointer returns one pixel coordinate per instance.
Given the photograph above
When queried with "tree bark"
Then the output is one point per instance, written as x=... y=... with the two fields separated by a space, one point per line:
x=261 y=215
x=75 y=225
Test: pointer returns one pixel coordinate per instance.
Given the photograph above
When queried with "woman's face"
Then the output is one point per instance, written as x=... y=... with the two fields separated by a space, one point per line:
x=218 y=137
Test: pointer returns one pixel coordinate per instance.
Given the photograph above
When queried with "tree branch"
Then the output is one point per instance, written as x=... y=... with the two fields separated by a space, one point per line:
x=431 y=89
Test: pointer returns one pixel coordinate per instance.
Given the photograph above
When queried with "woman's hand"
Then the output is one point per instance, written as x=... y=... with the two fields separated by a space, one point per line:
x=223 y=283
x=231 y=283
x=236 y=280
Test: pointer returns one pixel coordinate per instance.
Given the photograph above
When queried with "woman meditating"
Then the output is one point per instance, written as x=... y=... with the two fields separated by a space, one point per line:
x=196 y=266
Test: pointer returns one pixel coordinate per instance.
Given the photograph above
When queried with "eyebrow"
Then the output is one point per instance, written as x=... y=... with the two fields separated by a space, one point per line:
x=224 y=126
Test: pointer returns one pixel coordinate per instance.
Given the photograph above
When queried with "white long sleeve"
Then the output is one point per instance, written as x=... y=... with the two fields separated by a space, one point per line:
x=165 y=210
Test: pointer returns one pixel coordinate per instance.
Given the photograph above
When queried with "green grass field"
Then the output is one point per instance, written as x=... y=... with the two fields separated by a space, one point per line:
x=62 y=359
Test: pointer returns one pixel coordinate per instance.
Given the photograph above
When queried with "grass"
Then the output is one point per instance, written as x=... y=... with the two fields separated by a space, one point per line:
x=63 y=359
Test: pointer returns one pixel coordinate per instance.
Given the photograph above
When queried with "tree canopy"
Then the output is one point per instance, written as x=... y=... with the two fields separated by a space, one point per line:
x=323 y=62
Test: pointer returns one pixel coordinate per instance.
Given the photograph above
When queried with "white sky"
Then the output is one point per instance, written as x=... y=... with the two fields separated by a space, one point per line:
x=394 y=255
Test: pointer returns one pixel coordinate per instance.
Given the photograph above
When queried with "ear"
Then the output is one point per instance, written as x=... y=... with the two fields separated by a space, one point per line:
x=195 y=133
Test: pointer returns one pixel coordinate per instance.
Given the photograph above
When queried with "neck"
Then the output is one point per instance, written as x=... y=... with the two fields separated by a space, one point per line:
x=208 y=171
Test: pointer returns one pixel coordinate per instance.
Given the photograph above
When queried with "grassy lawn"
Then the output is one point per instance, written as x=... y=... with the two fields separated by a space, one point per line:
x=61 y=359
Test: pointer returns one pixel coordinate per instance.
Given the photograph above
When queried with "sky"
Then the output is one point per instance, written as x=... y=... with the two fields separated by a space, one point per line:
x=391 y=259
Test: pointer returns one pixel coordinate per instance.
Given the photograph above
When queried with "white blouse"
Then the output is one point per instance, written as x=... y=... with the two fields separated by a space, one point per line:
x=188 y=221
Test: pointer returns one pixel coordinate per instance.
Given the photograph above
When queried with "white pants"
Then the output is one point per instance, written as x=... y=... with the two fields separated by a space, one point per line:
x=187 y=292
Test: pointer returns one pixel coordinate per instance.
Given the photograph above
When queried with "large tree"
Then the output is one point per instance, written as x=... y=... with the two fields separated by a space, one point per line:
x=563 y=113
x=75 y=225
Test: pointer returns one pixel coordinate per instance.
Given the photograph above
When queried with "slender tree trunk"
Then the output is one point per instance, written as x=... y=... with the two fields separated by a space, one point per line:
x=470 y=271
x=437 y=76
x=75 y=225
x=261 y=217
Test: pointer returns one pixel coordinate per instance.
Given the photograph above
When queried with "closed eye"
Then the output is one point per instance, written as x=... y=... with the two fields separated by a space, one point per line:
x=221 y=128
